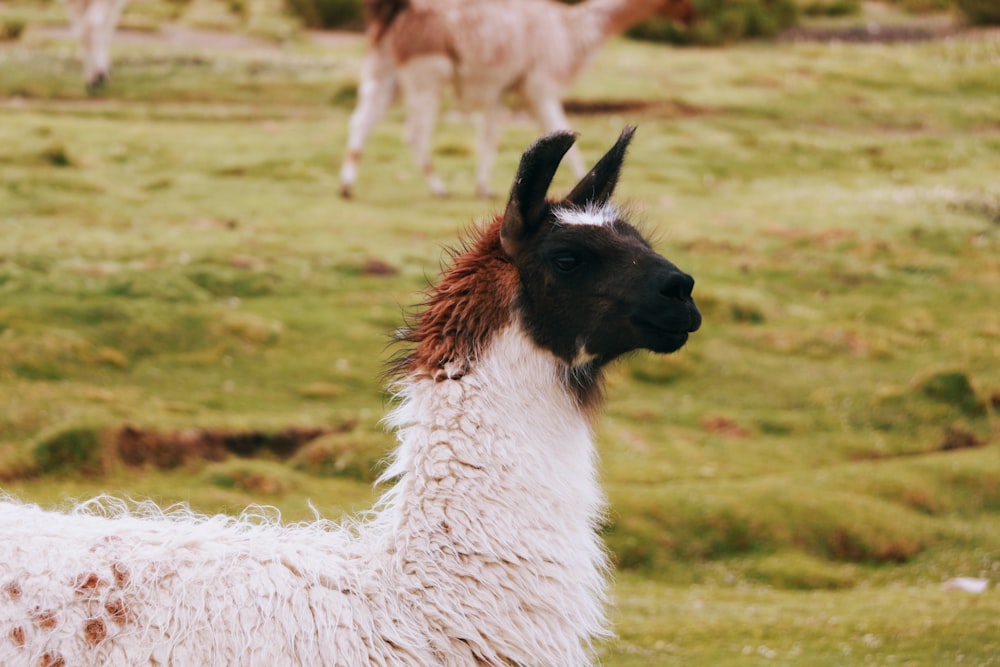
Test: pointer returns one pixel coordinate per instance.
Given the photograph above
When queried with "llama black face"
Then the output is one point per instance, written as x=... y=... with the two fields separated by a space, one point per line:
x=592 y=288
x=593 y=291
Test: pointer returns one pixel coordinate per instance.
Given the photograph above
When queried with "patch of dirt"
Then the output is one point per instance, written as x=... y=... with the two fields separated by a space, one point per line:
x=176 y=35
x=953 y=438
x=956 y=438
x=870 y=33
x=879 y=27
x=660 y=107
x=724 y=426
x=134 y=446
x=378 y=267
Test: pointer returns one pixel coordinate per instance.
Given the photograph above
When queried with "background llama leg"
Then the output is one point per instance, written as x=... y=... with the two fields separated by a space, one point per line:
x=378 y=82
x=489 y=136
x=549 y=113
x=95 y=20
x=422 y=80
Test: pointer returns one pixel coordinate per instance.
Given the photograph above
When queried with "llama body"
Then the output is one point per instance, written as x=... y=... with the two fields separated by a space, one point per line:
x=485 y=49
x=94 y=21
x=484 y=552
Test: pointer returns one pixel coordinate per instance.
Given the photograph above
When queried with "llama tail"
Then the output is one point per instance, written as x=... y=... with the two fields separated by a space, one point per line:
x=379 y=14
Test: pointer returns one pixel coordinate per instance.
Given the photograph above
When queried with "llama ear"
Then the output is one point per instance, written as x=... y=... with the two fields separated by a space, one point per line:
x=527 y=196
x=599 y=184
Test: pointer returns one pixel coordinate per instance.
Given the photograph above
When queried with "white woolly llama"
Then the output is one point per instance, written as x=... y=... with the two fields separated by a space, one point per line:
x=484 y=552
x=94 y=22
x=485 y=48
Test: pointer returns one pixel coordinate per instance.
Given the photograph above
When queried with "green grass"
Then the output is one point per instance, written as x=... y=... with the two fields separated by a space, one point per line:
x=792 y=487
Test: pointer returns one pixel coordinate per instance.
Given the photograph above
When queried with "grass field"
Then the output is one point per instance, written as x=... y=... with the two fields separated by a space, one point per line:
x=791 y=488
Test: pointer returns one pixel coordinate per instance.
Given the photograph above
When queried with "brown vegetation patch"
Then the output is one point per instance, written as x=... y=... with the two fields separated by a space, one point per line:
x=724 y=426
x=660 y=107
x=845 y=546
x=870 y=33
x=138 y=447
x=957 y=438
x=15 y=470
x=953 y=439
x=378 y=267
x=827 y=238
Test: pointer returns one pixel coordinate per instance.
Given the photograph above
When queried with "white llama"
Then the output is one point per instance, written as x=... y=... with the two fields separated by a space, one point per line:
x=484 y=552
x=94 y=22
x=486 y=49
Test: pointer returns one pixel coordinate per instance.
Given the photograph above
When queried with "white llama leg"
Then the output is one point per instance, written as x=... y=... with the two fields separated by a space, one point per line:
x=550 y=115
x=374 y=96
x=95 y=55
x=489 y=134
x=422 y=80
x=96 y=21
x=112 y=13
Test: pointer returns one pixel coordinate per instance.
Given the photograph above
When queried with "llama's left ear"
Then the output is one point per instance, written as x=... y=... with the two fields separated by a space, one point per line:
x=527 y=196
x=599 y=184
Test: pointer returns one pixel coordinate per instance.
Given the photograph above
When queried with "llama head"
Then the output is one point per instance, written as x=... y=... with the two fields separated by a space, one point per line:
x=579 y=280
x=591 y=288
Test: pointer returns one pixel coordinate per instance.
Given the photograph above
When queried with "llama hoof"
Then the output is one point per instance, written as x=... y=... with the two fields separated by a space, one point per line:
x=435 y=184
x=95 y=85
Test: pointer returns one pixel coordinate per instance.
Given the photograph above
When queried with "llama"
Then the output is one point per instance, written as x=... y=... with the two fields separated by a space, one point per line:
x=535 y=48
x=485 y=551
x=94 y=22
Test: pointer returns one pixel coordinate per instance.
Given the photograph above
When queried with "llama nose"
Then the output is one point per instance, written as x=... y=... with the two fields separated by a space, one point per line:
x=677 y=285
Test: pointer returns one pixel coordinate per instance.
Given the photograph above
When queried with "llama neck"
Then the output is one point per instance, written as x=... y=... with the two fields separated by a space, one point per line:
x=606 y=18
x=498 y=493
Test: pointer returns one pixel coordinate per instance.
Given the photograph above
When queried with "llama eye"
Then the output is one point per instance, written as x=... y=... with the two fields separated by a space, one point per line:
x=565 y=262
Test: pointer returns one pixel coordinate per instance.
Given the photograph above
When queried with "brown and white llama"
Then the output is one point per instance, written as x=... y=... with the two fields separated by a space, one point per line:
x=486 y=48
x=484 y=552
x=94 y=22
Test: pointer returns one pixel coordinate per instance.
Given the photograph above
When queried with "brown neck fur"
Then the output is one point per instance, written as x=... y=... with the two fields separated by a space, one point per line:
x=473 y=300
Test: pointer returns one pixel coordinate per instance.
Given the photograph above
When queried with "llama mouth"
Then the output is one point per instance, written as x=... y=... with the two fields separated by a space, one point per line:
x=660 y=339
x=679 y=324
x=665 y=337
x=668 y=343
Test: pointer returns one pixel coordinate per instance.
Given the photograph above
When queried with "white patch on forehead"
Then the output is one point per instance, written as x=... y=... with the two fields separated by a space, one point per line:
x=589 y=215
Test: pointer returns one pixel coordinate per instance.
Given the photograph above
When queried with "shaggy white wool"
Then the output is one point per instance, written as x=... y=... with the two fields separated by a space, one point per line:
x=499 y=497
x=484 y=552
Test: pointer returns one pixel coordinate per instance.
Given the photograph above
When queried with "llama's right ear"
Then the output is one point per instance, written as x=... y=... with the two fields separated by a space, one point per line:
x=596 y=188
x=527 y=196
